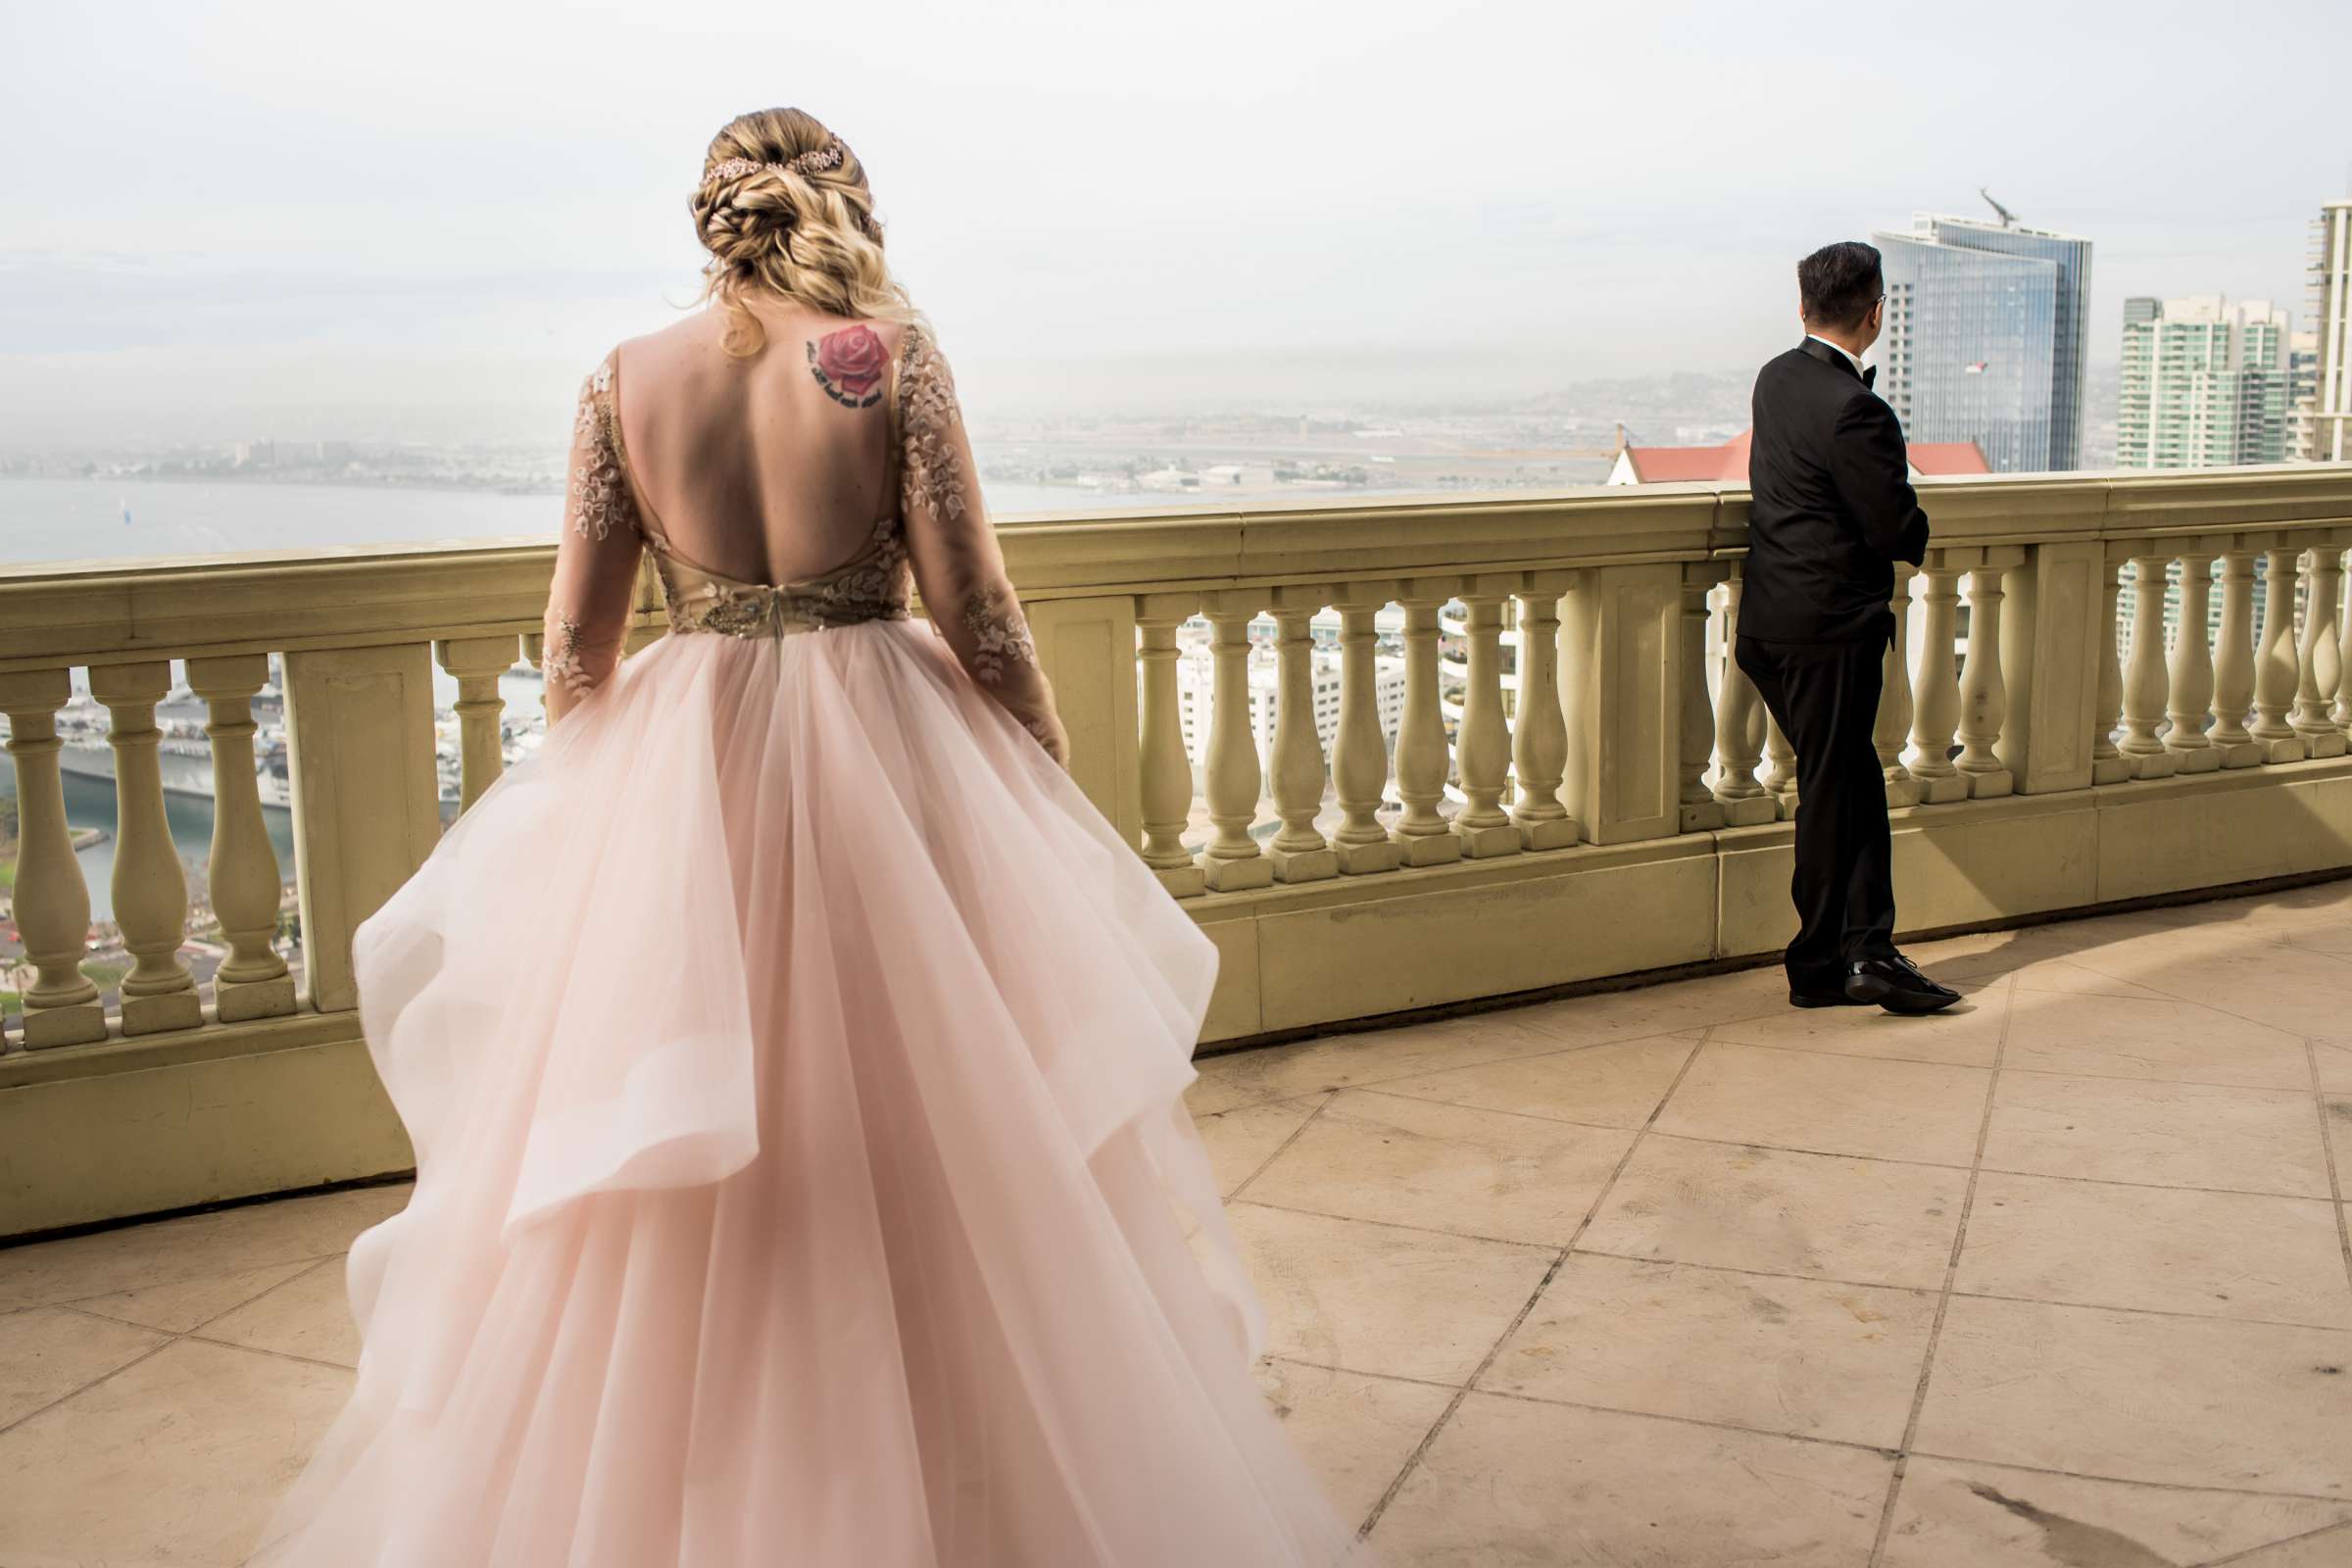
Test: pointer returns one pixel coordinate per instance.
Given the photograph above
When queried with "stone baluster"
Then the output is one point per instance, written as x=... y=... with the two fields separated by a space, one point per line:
x=51 y=904
x=1482 y=748
x=1895 y=697
x=1165 y=769
x=2318 y=671
x=1779 y=767
x=534 y=654
x=1936 y=687
x=1294 y=764
x=2191 y=674
x=2342 y=711
x=2234 y=664
x=1359 y=753
x=2109 y=766
x=2274 y=662
x=2146 y=681
x=1696 y=808
x=1539 y=732
x=1983 y=694
x=1232 y=860
x=1421 y=751
x=477 y=663
x=244 y=881
x=150 y=890
x=1737 y=751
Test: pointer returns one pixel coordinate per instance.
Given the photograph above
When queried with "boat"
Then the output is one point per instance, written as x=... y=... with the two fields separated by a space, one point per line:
x=183 y=756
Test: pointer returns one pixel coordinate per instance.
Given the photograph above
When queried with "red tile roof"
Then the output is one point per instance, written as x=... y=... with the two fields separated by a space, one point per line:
x=1667 y=465
x=1728 y=462
x=1948 y=457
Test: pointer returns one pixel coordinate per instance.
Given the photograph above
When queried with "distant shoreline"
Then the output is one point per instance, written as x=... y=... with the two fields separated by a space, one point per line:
x=318 y=481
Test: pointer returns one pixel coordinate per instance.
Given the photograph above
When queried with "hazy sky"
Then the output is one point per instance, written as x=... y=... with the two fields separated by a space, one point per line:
x=427 y=219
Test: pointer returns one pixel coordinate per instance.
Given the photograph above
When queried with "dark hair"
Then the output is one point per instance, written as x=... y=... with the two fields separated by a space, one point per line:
x=1839 y=283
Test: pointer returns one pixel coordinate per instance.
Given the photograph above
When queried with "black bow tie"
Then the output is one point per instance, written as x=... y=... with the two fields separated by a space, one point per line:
x=1869 y=375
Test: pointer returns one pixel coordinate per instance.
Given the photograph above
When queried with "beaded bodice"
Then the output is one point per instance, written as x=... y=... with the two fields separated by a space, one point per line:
x=935 y=534
x=874 y=585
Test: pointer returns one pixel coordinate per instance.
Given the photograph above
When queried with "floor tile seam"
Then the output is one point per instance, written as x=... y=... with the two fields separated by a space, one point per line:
x=262 y=1350
x=2284 y=1540
x=1344 y=1370
x=1844 y=1282
x=2161 y=1187
x=1496 y=1110
x=307 y=1260
x=1852 y=1056
x=1839 y=1280
x=1423 y=1072
x=1941 y=1457
x=2335 y=1182
x=1884 y=1450
x=302 y=1273
x=2199 y=1002
x=1818 y=1153
x=2156 y=1311
x=2149 y=1078
x=149 y=1354
x=1412 y=1460
x=1591 y=1211
x=1546 y=1248
x=1951 y=1277
x=2039 y=1072
x=2172 y=1083
x=79 y=1310
x=1281 y=1148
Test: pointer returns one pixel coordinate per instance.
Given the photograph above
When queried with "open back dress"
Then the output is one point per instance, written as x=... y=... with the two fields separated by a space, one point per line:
x=794 y=1061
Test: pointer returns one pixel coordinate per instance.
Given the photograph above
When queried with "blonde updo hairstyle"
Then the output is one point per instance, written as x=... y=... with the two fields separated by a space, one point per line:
x=798 y=224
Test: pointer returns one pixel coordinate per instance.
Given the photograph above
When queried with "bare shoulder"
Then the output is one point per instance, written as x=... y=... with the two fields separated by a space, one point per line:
x=691 y=337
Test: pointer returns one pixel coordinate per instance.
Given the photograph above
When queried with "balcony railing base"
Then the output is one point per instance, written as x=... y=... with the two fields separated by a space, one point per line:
x=154 y=1123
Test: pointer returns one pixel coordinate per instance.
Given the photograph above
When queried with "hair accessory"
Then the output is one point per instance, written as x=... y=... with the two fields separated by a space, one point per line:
x=829 y=155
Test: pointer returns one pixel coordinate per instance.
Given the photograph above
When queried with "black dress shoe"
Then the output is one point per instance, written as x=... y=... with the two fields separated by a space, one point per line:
x=1822 y=999
x=1895 y=984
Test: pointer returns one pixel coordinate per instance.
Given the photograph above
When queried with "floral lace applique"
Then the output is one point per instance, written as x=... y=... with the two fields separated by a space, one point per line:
x=561 y=662
x=927 y=418
x=600 y=489
x=1000 y=635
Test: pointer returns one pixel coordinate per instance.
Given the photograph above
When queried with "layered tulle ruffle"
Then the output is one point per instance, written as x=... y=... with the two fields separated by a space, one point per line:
x=793 y=1057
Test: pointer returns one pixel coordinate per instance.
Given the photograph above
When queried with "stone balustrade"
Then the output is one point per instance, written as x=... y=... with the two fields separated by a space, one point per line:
x=1538 y=767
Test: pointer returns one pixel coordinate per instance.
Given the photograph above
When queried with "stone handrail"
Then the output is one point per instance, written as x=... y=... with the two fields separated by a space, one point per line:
x=1562 y=710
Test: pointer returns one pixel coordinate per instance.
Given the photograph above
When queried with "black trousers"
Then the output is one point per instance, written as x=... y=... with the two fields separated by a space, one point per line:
x=1825 y=697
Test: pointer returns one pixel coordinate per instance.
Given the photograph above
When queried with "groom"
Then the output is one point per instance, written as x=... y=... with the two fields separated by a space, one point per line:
x=1831 y=511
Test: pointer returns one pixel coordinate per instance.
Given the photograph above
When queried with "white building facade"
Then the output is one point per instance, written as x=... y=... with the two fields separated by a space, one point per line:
x=2324 y=418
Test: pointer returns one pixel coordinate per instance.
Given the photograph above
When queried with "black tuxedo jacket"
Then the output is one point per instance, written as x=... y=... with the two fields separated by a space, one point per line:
x=1832 y=507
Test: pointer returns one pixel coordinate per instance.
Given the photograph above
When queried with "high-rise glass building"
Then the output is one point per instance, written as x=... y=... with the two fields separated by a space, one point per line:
x=2204 y=383
x=1984 y=337
x=2324 y=416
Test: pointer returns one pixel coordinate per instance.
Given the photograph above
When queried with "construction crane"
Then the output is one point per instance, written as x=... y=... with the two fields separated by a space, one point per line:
x=2008 y=218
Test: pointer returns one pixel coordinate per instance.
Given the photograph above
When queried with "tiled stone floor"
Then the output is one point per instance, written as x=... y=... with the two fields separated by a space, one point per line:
x=1671 y=1278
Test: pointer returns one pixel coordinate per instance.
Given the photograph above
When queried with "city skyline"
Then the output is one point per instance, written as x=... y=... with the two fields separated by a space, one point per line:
x=2204 y=383
x=1261 y=205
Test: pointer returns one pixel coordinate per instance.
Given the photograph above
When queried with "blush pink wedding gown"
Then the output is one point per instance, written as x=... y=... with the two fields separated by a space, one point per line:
x=793 y=1059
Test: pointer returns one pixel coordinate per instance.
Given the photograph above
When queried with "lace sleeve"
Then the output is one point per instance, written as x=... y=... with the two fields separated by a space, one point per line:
x=596 y=559
x=957 y=568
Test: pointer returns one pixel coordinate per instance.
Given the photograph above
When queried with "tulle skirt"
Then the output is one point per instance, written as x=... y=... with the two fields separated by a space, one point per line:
x=793 y=1060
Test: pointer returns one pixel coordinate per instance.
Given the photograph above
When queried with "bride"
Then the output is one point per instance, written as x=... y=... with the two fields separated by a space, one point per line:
x=793 y=1055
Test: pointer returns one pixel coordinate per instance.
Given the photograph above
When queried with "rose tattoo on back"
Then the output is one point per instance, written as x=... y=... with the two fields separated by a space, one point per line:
x=849 y=364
